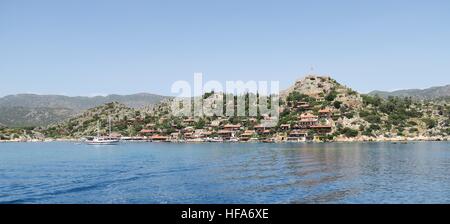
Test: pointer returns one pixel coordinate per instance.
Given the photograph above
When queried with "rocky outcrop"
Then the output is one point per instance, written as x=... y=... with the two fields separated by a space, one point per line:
x=319 y=87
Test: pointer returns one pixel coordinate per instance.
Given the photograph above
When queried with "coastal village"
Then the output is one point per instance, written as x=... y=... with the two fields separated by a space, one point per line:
x=314 y=109
x=221 y=131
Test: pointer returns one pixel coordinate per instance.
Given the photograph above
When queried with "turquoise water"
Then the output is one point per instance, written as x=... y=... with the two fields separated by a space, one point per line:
x=225 y=173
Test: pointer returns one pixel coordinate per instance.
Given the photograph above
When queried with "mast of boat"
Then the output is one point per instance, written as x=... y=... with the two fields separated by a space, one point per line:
x=109 y=120
x=98 y=129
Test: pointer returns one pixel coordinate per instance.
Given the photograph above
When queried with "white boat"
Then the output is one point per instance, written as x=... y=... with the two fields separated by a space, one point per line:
x=253 y=140
x=195 y=140
x=233 y=139
x=102 y=141
x=98 y=140
x=215 y=139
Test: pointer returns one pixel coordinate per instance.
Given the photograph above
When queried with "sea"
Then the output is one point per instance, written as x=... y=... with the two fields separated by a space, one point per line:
x=232 y=173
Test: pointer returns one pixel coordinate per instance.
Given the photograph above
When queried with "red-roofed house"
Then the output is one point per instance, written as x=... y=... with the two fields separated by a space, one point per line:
x=322 y=129
x=297 y=136
x=307 y=120
x=232 y=127
x=158 y=138
x=325 y=113
x=147 y=132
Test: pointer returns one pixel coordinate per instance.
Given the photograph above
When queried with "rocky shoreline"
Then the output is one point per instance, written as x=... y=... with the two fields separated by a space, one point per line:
x=338 y=140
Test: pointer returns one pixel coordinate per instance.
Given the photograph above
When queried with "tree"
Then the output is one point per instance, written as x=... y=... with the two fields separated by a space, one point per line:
x=207 y=95
x=200 y=124
x=367 y=132
x=331 y=96
x=430 y=123
x=296 y=96
x=350 y=133
x=372 y=100
x=373 y=118
x=337 y=104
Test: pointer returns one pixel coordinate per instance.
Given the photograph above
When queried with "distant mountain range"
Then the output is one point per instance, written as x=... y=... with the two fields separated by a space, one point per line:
x=40 y=110
x=419 y=94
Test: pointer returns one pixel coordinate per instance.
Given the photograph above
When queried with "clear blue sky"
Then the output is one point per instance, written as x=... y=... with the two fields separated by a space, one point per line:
x=88 y=47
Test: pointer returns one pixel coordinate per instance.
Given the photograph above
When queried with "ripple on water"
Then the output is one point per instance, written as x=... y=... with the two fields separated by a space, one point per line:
x=225 y=173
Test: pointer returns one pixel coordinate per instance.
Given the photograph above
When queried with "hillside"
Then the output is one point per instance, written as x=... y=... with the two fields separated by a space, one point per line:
x=315 y=107
x=324 y=87
x=32 y=117
x=418 y=94
x=365 y=116
x=86 y=123
x=40 y=110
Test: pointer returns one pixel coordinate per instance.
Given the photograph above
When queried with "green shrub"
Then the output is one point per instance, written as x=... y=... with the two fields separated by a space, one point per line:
x=348 y=132
x=430 y=123
x=373 y=118
x=337 y=104
x=331 y=96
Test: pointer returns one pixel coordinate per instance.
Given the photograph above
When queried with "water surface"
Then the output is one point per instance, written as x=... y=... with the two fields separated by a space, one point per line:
x=225 y=173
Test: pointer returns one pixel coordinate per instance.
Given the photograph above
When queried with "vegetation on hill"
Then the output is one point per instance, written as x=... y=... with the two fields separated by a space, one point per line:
x=337 y=113
x=123 y=120
x=33 y=117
